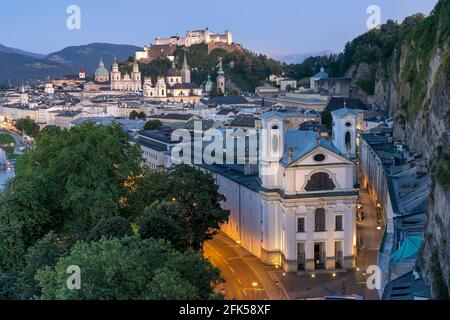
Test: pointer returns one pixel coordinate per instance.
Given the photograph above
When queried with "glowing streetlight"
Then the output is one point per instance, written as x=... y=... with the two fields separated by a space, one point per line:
x=334 y=275
x=313 y=276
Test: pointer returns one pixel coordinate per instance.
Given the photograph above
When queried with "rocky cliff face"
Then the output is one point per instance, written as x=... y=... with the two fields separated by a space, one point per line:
x=413 y=87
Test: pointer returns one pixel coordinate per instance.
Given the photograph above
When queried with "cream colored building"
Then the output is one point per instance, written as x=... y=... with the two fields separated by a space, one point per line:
x=127 y=82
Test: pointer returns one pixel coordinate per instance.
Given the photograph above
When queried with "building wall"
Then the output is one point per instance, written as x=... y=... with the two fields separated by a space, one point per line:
x=266 y=225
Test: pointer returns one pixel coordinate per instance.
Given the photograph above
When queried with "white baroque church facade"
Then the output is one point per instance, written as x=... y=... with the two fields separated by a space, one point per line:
x=299 y=212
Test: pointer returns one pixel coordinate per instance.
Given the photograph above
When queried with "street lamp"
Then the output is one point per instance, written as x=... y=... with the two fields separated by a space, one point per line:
x=255 y=286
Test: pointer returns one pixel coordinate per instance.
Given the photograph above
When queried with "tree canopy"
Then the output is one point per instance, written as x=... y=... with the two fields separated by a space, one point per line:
x=28 y=126
x=153 y=124
x=130 y=268
x=81 y=197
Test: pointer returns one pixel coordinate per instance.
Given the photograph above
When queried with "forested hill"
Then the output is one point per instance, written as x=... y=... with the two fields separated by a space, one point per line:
x=245 y=69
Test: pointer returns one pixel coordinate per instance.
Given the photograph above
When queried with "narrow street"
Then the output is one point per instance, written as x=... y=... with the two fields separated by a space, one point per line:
x=246 y=278
x=370 y=240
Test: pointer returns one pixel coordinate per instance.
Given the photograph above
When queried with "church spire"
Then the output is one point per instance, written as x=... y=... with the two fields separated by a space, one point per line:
x=185 y=71
x=185 y=64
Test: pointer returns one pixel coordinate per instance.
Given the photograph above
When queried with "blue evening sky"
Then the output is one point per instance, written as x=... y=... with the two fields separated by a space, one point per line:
x=265 y=26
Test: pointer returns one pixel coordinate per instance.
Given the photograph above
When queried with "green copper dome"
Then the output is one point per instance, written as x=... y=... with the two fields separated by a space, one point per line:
x=101 y=70
x=209 y=82
x=115 y=64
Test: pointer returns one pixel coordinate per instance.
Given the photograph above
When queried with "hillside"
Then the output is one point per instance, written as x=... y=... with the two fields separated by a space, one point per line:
x=87 y=56
x=420 y=74
x=246 y=70
x=16 y=66
x=5 y=49
x=406 y=67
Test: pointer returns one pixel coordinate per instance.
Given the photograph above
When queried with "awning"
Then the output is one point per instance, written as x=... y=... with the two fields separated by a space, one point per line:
x=410 y=246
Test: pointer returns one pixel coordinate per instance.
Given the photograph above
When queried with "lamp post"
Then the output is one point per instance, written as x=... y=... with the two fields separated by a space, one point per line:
x=255 y=288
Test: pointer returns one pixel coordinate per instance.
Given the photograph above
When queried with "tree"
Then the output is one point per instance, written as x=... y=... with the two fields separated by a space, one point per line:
x=68 y=182
x=114 y=227
x=327 y=119
x=8 y=286
x=169 y=285
x=130 y=268
x=45 y=252
x=153 y=124
x=141 y=115
x=196 y=195
x=214 y=92
x=28 y=126
x=133 y=115
x=160 y=221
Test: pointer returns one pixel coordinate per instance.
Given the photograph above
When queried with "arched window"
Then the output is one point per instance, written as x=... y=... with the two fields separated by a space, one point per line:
x=319 y=219
x=320 y=181
x=348 y=140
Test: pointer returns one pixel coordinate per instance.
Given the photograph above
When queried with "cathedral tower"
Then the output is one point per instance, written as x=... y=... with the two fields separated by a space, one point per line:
x=221 y=78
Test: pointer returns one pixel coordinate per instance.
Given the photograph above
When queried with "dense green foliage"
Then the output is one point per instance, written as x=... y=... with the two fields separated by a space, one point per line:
x=196 y=196
x=6 y=139
x=28 y=126
x=423 y=40
x=82 y=197
x=153 y=124
x=66 y=183
x=441 y=172
x=246 y=69
x=130 y=268
x=114 y=227
x=327 y=119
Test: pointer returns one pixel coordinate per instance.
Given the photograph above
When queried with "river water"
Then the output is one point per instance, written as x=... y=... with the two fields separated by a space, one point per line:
x=4 y=176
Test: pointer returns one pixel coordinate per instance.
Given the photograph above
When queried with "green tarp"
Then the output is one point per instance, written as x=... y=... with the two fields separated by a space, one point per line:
x=410 y=246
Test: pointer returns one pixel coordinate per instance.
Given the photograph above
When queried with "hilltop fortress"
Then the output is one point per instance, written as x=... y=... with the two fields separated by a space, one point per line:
x=165 y=47
x=205 y=36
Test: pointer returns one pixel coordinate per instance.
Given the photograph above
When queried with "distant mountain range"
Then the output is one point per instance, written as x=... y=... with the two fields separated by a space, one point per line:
x=17 y=65
x=5 y=49
x=299 y=57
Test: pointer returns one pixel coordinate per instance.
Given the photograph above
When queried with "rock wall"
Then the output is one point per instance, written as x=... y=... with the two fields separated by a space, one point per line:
x=422 y=121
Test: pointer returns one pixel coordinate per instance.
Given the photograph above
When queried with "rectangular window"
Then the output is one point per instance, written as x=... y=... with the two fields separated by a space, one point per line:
x=300 y=225
x=338 y=224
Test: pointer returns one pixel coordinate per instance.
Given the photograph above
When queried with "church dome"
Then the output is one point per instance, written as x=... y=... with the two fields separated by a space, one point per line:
x=173 y=72
x=209 y=82
x=101 y=71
